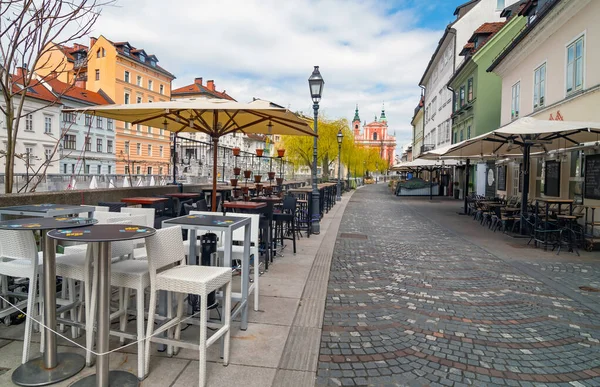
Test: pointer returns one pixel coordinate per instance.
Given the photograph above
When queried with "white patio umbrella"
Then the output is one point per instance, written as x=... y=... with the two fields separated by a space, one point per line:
x=523 y=136
x=93 y=183
x=152 y=182
x=72 y=184
x=215 y=117
x=139 y=182
x=126 y=183
x=111 y=184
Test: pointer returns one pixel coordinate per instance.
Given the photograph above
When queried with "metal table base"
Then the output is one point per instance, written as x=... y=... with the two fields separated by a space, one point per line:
x=33 y=373
x=115 y=379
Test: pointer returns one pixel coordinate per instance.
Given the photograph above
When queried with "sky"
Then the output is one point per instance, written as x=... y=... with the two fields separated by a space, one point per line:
x=369 y=52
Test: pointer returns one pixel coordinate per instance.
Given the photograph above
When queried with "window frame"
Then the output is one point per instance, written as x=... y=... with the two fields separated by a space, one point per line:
x=149 y=150
x=138 y=149
x=47 y=124
x=462 y=96
x=150 y=85
x=542 y=85
x=29 y=122
x=99 y=122
x=470 y=87
x=126 y=98
x=126 y=148
x=126 y=77
x=139 y=80
x=88 y=144
x=579 y=37
x=109 y=146
x=515 y=115
x=99 y=145
x=97 y=74
x=70 y=142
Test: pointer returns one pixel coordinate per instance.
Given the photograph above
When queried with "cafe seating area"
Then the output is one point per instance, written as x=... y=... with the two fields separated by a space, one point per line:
x=141 y=270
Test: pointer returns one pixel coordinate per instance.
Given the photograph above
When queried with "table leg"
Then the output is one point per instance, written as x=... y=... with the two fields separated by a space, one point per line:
x=104 y=377
x=52 y=367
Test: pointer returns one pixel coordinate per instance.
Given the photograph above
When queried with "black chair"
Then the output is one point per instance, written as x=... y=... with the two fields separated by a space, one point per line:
x=182 y=211
x=288 y=216
x=113 y=206
x=201 y=205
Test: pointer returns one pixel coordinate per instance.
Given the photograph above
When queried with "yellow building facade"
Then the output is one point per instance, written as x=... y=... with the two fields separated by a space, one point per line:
x=128 y=75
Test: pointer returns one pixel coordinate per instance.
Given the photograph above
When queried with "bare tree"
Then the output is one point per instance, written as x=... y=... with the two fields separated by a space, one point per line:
x=29 y=30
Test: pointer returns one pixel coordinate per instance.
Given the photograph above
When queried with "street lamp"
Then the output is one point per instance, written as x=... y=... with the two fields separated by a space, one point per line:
x=340 y=137
x=315 y=83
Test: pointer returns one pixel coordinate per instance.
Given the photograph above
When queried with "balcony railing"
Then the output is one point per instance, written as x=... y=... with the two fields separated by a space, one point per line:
x=80 y=63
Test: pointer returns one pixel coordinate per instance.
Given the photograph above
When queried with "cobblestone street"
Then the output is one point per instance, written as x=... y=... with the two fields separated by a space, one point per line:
x=418 y=301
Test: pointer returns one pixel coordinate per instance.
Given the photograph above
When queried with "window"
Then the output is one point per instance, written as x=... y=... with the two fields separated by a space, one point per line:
x=126 y=98
x=142 y=58
x=470 y=89
x=375 y=136
x=99 y=122
x=127 y=148
x=514 y=107
x=162 y=132
x=98 y=53
x=462 y=96
x=103 y=52
x=139 y=80
x=150 y=150
x=72 y=168
x=161 y=89
x=87 y=169
x=126 y=76
x=150 y=84
x=99 y=169
x=139 y=99
x=109 y=124
x=88 y=120
x=29 y=122
x=160 y=170
x=160 y=150
x=149 y=130
x=109 y=169
x=88 y=143
x=138 y=170
x=97 y=75
x=139 y=149
x=139 y=128
x=48 y=154
x=29 y=153
x=127 y=170
x=539 y=86
x=99 y=145
x=69 y=117
x=468 y=132
x=150 y=100
x=47 y=124
x=455 y=137
x=462 y=137
x=575 y=66
x=65 y=166
x=149 y=170
x=128 y=125
x=109 y=146
x=456 y=101
x=499 y=5
x=69 y=141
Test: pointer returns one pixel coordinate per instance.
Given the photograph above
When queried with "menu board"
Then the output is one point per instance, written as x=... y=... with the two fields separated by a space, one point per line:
x=592 y=177
x=552 y=178
x=501 y=178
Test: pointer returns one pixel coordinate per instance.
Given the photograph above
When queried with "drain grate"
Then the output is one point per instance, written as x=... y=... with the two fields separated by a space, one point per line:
x=589 y=289
x=353 y=236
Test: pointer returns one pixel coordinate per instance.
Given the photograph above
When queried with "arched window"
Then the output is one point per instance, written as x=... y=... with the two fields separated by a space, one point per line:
x=356 y=126
x=375 y=136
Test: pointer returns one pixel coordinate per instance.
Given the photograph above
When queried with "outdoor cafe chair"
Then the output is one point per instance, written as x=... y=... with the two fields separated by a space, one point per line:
x=237 y=250
x=287 y=215
x=168 y=272
x=19 y=259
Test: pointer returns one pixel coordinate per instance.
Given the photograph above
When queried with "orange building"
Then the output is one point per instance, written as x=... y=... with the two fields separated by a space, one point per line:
x=127 y=75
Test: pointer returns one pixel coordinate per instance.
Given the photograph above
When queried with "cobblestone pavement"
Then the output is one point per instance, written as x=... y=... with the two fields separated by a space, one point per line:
x=411 y=303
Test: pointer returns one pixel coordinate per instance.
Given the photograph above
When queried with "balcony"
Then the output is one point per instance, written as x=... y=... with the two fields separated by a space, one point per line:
x=427 y=148
x=79 y=63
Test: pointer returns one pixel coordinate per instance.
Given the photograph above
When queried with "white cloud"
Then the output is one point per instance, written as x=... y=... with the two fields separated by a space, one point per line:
x=367 y=53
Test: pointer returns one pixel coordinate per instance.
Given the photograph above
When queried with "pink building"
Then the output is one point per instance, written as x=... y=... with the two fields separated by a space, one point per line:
x=375 y=134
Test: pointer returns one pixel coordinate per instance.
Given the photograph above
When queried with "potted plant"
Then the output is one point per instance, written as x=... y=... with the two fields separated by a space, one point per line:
x=247 y=174
x=245 y=190
x=271 y=175
x=280 y=152
x=259 y=188
x=237 y=170
x=236 y=151
x=279 y=181
x=257 y=178
x=259 y=152
x=234 y=182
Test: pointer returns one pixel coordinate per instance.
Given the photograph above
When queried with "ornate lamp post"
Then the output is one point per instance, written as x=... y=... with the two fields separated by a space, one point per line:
x=340 y=137
x=315 y=83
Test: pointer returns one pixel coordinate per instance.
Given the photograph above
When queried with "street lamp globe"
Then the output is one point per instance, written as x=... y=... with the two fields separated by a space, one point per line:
x=316 y=83
x=340 y=136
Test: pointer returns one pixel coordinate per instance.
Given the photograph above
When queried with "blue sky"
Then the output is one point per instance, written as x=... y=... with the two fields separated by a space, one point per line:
x=369 y=51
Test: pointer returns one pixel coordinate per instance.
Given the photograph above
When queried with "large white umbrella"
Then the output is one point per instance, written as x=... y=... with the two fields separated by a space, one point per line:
x=93 y=183
x=215 y=117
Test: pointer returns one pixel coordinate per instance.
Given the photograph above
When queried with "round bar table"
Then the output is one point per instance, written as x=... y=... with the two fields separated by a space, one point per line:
x=52 y=367
x=102 y=235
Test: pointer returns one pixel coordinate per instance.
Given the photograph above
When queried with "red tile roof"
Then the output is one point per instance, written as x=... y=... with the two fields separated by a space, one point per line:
x=135 y=50
x=78 y=93
x=35 y=89
x=489 y=28
x=469 y=46
x=197 y=88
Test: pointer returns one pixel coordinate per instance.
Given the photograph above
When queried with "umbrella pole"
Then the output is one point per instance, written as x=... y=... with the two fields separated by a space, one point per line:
x=525 y=193
x=174 y=159
x=214 y=187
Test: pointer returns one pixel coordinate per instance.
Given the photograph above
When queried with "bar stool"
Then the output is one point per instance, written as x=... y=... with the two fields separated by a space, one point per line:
x=287 y=215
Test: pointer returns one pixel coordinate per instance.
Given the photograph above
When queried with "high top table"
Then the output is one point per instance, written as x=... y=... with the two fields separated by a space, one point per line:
x=52 y=367
x=47 y=210
x=102 y=235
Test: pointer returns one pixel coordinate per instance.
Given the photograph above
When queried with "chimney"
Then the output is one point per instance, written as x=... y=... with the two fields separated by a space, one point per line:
x=92 y=41
x=80 y=83
x=22 y=71
x=210 y=85
x=198 y=81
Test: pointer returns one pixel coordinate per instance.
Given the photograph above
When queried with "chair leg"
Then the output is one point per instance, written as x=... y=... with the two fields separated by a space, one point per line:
x=169 y=317
x=31 y=301
x=90 y=310
x=294 y=234
x=123 y=308
x=179 y=316
x=75 y=331
x=227 y=322
x=202 y=351
x=139 y=300
x=149 y=331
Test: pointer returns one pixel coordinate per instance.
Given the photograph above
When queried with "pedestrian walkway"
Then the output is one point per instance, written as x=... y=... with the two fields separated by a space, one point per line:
x=418 y=296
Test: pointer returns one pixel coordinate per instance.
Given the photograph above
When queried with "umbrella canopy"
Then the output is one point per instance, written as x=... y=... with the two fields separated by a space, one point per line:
x=215 y=117
x=539 y=135
x=93 y=183
x=424 y=164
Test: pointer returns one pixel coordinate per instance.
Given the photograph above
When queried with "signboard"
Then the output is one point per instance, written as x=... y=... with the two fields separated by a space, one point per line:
x=552 y=178
x=502 y=178
x=592 y=177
